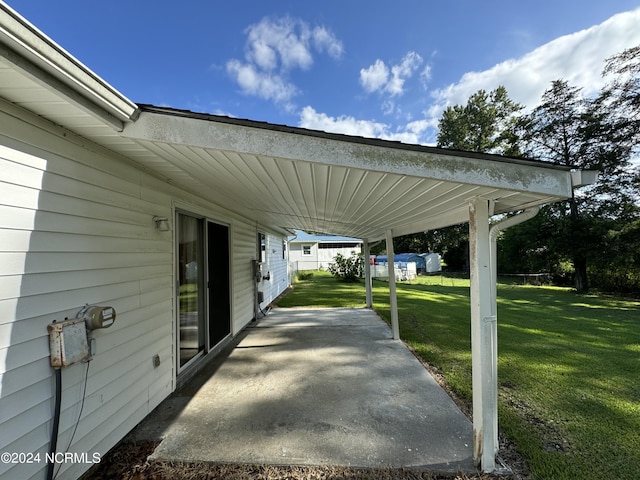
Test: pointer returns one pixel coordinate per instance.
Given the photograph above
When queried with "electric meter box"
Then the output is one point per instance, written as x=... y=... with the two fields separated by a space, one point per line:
x=68 y=342
x=98 y=317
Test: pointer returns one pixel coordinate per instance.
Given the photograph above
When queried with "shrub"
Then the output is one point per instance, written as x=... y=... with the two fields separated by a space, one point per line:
x=304 y=275
x=348 y=269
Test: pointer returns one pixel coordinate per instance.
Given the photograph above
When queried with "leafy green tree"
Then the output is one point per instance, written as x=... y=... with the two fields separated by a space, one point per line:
x=485 y=124
x=530 y=247
x=571 y=130
x=620 y=104
x=559 y=130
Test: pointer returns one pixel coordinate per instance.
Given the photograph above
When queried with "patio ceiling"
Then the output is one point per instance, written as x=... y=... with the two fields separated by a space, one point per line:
x=310 y=180
x=271 y=174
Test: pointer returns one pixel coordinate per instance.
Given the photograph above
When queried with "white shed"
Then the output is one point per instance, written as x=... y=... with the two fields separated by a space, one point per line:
x=433 y=262
x=178 y=221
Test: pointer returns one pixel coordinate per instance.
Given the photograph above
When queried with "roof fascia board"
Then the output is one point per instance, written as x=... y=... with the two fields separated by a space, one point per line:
x=33 y=52
x=535 y=177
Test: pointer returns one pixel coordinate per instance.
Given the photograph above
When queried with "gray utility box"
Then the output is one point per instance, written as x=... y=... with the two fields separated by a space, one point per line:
x=68 y=342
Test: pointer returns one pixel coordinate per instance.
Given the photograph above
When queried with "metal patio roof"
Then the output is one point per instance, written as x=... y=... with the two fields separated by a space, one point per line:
x=271 y=174
x=322 y=182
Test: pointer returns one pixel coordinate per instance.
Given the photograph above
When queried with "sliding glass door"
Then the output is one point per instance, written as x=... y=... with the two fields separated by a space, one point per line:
x=191 y=269
x=203 y=290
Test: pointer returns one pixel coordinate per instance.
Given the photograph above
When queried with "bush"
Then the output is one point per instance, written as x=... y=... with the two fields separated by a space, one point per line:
x=304 y=275
x=348 y=269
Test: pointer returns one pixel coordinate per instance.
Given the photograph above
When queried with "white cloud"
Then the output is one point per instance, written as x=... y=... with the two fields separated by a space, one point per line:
x=380 y=78
x=260 y=83
x=325 y=41
x=273 y=48
x=349 y=125
x=425 y=76
x=404 y=70
x=374 y=77
x=577 y=58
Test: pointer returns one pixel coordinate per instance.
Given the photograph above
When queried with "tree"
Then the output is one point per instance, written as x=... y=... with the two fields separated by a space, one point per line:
x=570 y=130
x=485 y=124
x=620 y=103
x=624 y=88
x=556 y=131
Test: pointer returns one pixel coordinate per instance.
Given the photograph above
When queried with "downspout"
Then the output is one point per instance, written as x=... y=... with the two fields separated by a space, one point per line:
x=494 y=231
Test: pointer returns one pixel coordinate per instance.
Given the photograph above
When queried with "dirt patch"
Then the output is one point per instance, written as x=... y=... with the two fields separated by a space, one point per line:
x=128 y=461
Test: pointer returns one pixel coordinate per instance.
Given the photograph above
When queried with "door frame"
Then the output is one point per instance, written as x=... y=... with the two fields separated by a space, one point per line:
x=209 y=348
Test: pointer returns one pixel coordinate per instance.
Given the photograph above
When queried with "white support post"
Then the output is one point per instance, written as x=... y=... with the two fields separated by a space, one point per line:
x=483 y=349
x=393 y=298
x=367 y=275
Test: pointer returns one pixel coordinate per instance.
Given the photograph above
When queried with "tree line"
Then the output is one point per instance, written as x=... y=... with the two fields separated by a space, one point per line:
x=591 y=240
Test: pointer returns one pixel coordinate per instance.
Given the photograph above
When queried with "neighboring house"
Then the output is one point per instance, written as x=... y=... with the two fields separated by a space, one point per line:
x=316 y=252
x=178 y=221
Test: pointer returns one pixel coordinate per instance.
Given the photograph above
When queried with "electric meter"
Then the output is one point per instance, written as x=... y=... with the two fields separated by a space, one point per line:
x=97 y=317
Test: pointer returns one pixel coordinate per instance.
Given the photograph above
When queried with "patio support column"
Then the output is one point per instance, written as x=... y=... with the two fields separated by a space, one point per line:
x=483 y=349
x=393 y=298
x=367 y=274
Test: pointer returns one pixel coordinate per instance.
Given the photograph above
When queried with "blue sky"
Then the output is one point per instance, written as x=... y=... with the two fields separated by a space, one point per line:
x=370 y=68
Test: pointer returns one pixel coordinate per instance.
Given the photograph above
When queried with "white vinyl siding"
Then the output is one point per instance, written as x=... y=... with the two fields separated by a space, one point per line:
x=279 y=280
x=76 y=227
x=300 y=259
x=243 y=252
x=319 y=258
x=326 y=255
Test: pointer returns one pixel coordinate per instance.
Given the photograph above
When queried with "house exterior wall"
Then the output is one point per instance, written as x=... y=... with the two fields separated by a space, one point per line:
x=299 y=261
x=277 y=269
x=326 y=255
x=76 y=227
x=320 y=258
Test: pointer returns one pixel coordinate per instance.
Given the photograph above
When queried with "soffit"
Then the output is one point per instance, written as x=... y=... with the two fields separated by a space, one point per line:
x=300 y=179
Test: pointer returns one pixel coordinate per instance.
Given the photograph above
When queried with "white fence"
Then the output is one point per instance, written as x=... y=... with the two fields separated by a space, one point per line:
x=403 y=271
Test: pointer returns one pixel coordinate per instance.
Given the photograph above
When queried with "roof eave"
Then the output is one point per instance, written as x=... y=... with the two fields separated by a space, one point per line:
x=30 y=50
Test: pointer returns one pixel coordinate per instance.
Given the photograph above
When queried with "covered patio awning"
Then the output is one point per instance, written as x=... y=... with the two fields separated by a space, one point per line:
x=366 y=188
x=331 y=183
x=290 y=177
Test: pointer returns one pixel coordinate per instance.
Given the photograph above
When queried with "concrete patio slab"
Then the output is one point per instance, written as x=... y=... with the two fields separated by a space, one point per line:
x=315 y=387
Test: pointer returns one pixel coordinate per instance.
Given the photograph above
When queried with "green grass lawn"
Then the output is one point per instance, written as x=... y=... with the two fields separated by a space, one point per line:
x=569 y=365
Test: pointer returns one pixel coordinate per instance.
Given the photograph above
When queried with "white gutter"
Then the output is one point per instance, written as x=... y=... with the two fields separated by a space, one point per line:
x=22 y=40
